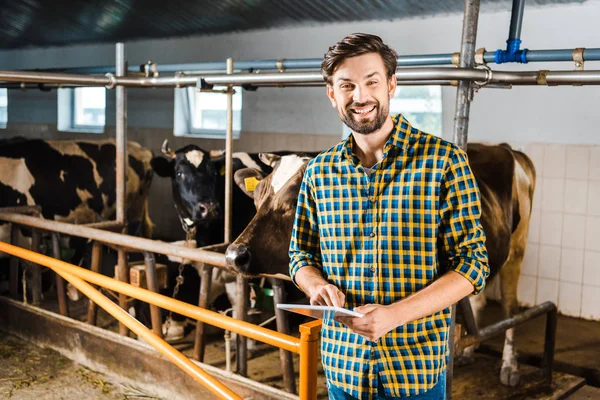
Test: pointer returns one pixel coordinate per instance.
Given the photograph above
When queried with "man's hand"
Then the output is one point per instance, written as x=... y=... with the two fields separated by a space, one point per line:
x=319 y=291
x=377 y=321
x=327 y=295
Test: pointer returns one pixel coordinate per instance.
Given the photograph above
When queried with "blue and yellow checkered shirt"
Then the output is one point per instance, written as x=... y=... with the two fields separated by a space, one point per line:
x=381 y=238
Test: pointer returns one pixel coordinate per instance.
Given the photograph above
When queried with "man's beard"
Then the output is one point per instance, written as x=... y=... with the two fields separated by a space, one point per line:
x=368 y=126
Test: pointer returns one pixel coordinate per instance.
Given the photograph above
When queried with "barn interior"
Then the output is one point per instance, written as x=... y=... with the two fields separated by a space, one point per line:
x=555 y=125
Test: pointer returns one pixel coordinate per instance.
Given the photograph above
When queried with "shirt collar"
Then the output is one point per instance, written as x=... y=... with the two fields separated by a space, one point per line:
x=399 y=138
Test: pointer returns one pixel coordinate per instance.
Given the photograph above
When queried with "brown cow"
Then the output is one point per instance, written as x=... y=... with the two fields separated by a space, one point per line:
x=506 y=179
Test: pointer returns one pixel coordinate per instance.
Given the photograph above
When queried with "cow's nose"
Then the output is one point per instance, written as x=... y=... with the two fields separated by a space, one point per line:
x=238 y=257
x=202 y=210
x=207 y=210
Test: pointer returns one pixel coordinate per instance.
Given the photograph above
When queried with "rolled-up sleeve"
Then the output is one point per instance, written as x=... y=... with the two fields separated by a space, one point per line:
x=461 y=233
x=304 y=246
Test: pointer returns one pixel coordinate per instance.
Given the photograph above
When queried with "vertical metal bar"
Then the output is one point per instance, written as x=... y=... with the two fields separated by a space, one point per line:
x=463 y=93
x=123 y=270
x=63 y=305
x=92 y=315
x=121 y=135
x=152 y=279
x=516 y=19
x=461 y=131
x=549 y=342
x=467 y=312
x=205 y=284
x=309 y=346
x=240 y=314
x=36 y=270
x=13 y=278
x=286 y=358
x=229 y=157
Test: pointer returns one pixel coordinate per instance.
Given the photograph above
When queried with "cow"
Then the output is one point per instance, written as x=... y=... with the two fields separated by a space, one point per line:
x=506 y=179
x=73 y=181
x=198 y=187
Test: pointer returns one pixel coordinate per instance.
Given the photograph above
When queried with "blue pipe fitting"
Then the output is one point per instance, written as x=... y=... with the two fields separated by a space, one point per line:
x=512 y=53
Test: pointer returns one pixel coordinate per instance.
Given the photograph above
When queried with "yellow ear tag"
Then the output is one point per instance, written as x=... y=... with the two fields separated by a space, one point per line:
x=251 y=183
x=222 y=171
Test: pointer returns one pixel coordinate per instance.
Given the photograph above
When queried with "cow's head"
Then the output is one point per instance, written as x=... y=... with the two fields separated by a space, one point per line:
x=264 y=244
x=195 y=183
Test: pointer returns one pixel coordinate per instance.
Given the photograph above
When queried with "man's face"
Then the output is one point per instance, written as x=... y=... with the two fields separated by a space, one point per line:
x=361 y=92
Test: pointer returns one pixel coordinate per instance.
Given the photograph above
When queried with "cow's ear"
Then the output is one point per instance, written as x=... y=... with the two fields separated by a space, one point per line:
x=271 y=159
x=162 y=166
x=247 y=179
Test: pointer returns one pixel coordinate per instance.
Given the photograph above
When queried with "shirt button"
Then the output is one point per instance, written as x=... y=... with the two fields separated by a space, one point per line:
x=372 y=199
x=372 y=267
x=372 y=234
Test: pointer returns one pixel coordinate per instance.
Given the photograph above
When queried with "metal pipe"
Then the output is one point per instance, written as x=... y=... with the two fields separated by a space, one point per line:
x=123 y=276
x=283 y=326
x=203 y=300
x=516 y=20
x=241 y=309
x=412 y=75
x=306 y=63
x=113 y=226
x=13 y=265
x=152 y=281
x=121 y=136
x=309 y=359
x=464 y=93
x=63 y=305
x=498 y=328
x=35 y=270
x=549 y=343
x=156 y=342
x=210 y=317
x=229 y=156
x=118 y=239
x=92 y=315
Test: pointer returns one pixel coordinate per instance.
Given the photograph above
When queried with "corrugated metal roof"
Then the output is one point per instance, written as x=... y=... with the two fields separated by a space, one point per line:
x=26 y=23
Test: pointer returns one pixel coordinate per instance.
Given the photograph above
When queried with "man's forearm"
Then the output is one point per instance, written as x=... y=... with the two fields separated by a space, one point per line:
x=442 y=293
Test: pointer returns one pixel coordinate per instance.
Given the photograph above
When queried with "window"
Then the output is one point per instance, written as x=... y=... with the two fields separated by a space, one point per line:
x=3 y=107
x=421 y=105
x=82 y=109
x=204 y=114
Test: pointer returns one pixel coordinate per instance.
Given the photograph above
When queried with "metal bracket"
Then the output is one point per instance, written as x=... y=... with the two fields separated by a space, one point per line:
x=112 y=81
x=279 y=65
x=479 y=56
x=578 y=58
x=489 y=75
x=541 y=77
x=456 y=59
x=150 y=67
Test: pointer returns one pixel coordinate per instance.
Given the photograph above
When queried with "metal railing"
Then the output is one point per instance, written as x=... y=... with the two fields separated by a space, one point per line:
x=306 y=346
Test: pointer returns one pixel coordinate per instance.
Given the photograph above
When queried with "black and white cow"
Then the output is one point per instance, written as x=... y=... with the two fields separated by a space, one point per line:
x=506 y=179
x=73 y=181
x=198 y=187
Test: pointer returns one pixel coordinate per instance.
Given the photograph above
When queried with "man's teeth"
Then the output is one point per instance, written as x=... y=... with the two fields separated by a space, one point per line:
x=364 y=111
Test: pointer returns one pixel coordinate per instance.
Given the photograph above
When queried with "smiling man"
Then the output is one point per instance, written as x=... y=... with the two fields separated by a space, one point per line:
x=387 y=223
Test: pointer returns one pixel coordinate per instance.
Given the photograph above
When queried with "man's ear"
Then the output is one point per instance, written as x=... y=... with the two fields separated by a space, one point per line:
x=247 y=179
x=162 y=166
x=331 y=95
x=392 y=85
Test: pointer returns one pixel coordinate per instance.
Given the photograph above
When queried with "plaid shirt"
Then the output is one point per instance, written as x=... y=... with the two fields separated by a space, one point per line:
x=381 y=238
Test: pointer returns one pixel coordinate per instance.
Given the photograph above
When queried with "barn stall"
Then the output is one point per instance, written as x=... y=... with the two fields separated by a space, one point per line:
x=550 y=215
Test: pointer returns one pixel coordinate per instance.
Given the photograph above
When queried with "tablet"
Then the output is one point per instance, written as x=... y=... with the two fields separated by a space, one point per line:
x=319 y=312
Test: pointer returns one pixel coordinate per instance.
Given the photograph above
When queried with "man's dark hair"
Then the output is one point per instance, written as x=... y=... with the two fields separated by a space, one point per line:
x=354 y=45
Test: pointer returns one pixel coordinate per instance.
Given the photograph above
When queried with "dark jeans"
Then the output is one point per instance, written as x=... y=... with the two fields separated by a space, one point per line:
x=438 y=392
